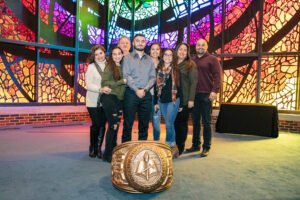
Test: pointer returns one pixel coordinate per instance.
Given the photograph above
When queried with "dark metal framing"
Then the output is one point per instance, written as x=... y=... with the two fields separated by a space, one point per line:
x=77 y=50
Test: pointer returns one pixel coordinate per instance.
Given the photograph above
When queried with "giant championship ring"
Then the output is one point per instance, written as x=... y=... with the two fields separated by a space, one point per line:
x=142 y=167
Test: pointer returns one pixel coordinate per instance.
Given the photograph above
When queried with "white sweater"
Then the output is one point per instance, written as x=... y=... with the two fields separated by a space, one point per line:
x=93 y=84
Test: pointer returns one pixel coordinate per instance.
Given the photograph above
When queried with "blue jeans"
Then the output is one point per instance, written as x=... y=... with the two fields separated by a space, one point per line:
x=169 y=112
x=202 y=110
x=155 y=122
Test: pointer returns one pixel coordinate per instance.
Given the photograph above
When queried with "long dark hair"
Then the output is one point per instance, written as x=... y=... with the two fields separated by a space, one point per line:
x=91 y=57
x=174 y=66
x=188 y=59
x=113 y=66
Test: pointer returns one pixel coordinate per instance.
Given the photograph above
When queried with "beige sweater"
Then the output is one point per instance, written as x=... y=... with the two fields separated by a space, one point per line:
x=93 y=84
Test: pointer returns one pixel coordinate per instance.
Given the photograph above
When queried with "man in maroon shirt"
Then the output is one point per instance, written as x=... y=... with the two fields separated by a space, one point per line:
x=209 y=78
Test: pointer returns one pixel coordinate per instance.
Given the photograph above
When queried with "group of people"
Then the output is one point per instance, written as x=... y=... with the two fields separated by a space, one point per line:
x=167 y=83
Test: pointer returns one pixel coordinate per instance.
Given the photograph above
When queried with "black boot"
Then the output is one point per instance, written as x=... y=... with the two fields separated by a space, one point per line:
x=93 y=143
x=100 y=139
x=180 y=149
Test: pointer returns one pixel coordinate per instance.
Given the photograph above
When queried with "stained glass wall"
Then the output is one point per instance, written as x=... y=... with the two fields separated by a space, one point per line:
x=56 y=77
x=44 y=44
x=18 y=20
x=57 y=22
x=91 y=28
x=82 y=68
x=17 y=73
x=120 y=22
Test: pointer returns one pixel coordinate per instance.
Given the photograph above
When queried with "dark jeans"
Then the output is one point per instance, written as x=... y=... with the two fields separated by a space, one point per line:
x=133 y=104
x=113 y=109
x=202 y=110
x=181 y=128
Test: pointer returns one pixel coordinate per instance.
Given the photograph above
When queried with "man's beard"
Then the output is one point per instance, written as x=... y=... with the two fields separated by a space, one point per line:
x=201 y=52
x=139 y=49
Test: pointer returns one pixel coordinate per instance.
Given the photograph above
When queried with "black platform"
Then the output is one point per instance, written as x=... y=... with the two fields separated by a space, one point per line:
x=252 y=119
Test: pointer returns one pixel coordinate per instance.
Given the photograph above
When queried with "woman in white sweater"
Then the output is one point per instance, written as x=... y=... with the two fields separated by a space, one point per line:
x=97 y=64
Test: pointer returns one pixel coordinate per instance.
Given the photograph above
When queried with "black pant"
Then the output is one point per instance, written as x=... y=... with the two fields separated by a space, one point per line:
x=113 y=109
x=133 y=104
x=181 y=128
x=202 y=109
x=98 y=117
x=98 y=123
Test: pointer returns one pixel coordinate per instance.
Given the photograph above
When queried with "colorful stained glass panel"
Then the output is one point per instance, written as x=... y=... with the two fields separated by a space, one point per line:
x=16 y=21
x=241 y=22
x=58 y=22
x=239 y=80
x=279 y=81
x=245 y=41
x=120 y=22
x=281 y=26
x=82 y=67
x=92 y=24
x=17 y=74
x=200 y=20
x=56 y=77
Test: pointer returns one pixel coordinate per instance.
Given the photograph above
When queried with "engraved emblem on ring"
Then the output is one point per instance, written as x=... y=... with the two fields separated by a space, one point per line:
x=147 y=167
x=144 y=166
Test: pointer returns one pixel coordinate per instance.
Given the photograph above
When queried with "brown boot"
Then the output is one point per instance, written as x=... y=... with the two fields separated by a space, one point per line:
x=174 y=151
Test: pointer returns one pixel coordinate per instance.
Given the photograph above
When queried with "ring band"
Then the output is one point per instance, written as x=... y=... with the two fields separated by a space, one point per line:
x=142 y=167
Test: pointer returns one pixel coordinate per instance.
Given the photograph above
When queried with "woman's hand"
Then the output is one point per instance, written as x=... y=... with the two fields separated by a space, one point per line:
x=180 y=109
x=105 y=90
x=190 y=104
x=156 y=108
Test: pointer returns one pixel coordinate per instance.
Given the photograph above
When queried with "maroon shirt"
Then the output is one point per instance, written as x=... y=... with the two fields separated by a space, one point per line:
x=209 y=73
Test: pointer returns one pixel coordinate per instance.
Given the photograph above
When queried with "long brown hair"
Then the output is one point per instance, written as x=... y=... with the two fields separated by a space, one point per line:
x=91 y=57
x=188 y=59
x=113 y=66
x=174 y=66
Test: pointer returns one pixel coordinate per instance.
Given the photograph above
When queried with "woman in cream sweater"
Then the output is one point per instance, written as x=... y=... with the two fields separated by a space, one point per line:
x=97 y=64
